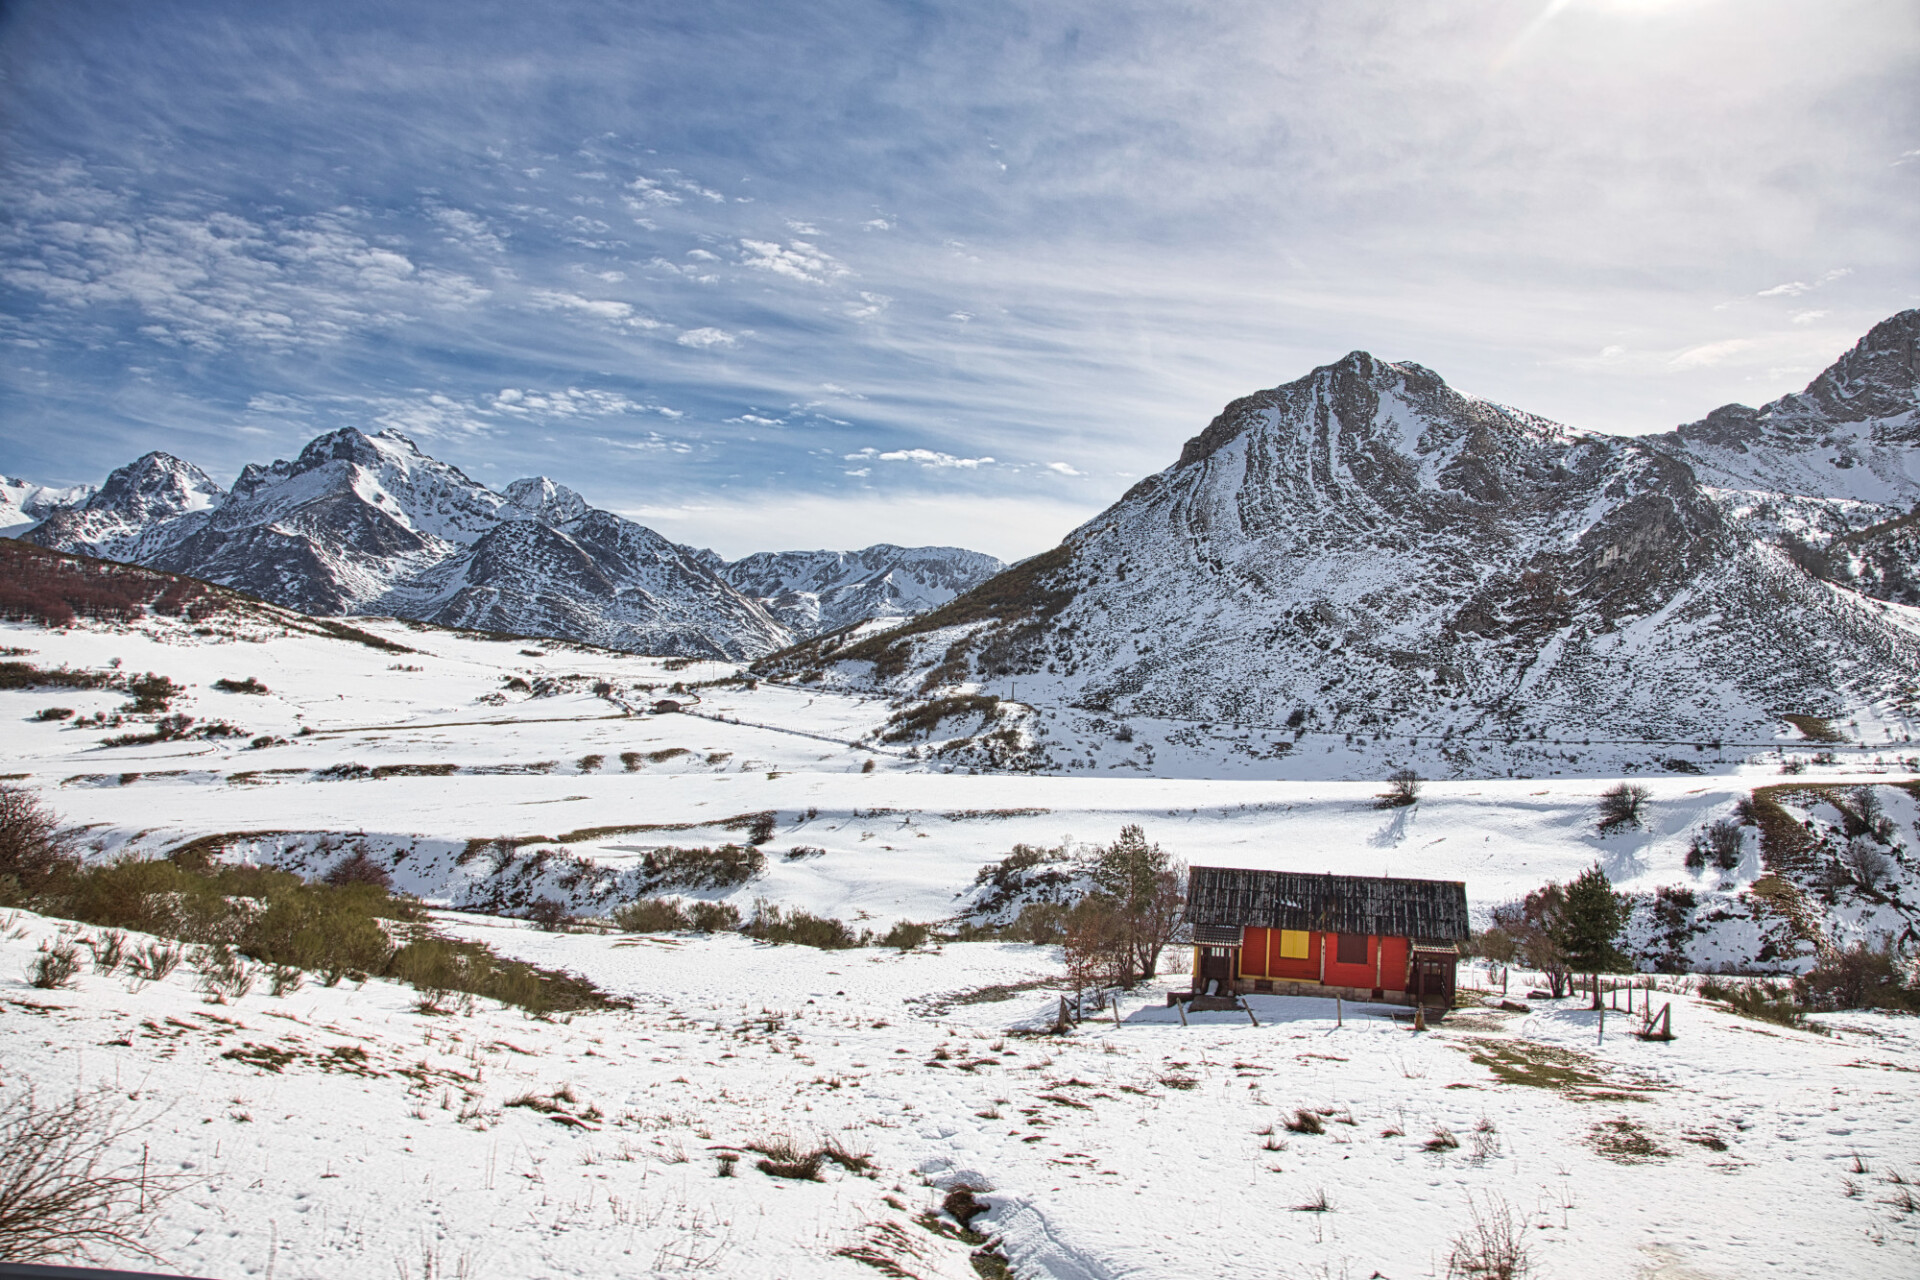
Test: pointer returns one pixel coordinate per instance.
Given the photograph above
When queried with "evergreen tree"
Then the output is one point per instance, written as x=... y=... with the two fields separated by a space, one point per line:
x=1589 y=921
x=1145 y=888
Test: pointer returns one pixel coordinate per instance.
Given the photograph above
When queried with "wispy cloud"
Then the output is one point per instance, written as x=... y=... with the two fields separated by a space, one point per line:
x=930 y=458
x=615 y=213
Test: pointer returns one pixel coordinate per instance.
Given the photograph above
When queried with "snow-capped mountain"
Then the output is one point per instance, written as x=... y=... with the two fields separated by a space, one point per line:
x=24 y=504
x=593 y=577
x=1367 y=552
x=1852 y=435
x=143 y=508
x=363 y=523
x=816 y=591
x=371 y=524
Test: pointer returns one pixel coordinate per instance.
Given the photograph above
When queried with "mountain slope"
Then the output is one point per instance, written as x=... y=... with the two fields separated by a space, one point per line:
x=1853 y=434
x=24 y=504
x=361 y=523
x=1366 y=553
x=816 y=591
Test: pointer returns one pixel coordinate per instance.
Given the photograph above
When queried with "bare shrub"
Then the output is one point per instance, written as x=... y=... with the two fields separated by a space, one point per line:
x=32 y=845
x=1403 y=789
x=1494 y=1247
x=64 y=1187
x=714 y=917
x=358 y=868
x=906 y=935
x=1622 y=805
x=651 y=915
x=224 y=973
x=1719 y=845
x=109 y=950
x=154 y=961
x=1860 y=977
x=1865 y=863
x=55 y=966
x=549 y=914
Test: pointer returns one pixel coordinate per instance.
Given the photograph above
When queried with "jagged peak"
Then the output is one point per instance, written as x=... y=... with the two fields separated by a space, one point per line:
x=539 y=498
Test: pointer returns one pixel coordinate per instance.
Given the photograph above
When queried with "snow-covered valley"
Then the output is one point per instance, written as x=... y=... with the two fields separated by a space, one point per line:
x=489 y=772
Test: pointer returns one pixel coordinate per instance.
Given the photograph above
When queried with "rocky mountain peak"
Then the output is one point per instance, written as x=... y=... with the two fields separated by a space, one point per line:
x=157 y=485
x=538 y=498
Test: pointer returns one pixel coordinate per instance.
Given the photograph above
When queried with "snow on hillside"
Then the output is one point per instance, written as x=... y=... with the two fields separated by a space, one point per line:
x=24 y=504
x=345 y=1131
x=816 y=591
x=1368 y=564
x=489 y=773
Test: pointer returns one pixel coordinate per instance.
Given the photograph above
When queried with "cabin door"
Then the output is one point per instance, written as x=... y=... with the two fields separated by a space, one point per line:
x=1216 y=971
x=1433 y=979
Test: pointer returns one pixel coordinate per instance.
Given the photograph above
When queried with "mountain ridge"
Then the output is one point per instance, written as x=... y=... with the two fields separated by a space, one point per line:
x=1365 y=552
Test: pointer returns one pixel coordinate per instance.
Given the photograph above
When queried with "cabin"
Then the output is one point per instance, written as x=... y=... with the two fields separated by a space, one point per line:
x=1293 y=933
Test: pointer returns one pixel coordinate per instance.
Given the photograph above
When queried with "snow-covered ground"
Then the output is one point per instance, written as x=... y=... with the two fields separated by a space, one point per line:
x=875 y=833
x=1142 y=1149
x=1133 y=1150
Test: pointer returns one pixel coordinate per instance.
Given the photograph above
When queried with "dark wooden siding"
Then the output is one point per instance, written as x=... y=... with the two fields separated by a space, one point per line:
x=1376 y=905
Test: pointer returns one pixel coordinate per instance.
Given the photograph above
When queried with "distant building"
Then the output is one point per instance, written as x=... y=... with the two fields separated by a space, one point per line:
x=1361 y=937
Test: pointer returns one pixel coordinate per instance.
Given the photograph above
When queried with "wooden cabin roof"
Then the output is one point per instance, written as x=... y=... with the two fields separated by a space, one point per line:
x=1232 y=897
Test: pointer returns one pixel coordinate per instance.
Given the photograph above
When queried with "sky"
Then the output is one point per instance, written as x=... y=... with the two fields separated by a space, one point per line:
x=768 y=276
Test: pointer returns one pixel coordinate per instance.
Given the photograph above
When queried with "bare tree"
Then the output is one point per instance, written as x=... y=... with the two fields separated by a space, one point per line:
x=1530 y=925
x=1403 y=789
x=32 y=844
x=67 y=1186
x=1622 y=804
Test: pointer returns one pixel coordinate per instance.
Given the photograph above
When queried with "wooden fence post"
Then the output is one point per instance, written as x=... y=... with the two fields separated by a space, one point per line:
x=1116 y=1008
x=1181 y=1005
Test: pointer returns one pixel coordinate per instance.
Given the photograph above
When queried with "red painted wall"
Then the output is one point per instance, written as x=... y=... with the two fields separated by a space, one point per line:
x=1260 y=958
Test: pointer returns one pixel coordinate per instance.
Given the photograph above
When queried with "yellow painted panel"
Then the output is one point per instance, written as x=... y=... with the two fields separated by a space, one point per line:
x=1293 y=944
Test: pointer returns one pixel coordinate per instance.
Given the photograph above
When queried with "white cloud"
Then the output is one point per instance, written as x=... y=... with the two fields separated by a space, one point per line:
x=1808 y=317
x=1064 y=469
x=598 y=308
x=213 y=280
x=932 y=459
x=869 y=306
x=755 y=420
x=1710 y=353
x=706 y=338
x=881 y=224
x=798 y=261
x=1794 y=288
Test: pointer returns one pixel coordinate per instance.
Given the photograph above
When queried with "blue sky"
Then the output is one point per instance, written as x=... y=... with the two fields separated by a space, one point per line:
x=768 y=275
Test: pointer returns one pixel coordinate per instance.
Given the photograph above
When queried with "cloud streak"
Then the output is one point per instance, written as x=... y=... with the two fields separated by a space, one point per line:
x=1006 y=231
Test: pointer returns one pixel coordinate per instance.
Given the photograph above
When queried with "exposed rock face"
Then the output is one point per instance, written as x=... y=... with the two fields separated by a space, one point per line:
x=142 y=509
x=1368 y=552
x=363 y=523
x=815 y=591
x=1852 y=435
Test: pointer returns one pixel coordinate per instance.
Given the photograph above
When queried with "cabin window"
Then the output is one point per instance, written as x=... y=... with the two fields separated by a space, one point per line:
x=1352 y=948
x=1293 y=944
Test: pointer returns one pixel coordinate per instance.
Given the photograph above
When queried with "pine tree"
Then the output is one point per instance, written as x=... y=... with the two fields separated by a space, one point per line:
x=1145 y=888
x=1590 y=920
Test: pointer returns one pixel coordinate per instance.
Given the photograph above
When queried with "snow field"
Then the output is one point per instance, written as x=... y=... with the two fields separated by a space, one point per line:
x=1146 y=1149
